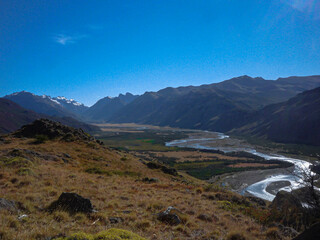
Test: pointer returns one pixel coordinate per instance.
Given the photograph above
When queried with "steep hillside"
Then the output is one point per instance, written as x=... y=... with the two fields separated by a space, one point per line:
x=13 y=116
x=106 y=107
x=294 y=121
x=111 y=188
x=72 y=105
x=40 y=104
x=219 y=107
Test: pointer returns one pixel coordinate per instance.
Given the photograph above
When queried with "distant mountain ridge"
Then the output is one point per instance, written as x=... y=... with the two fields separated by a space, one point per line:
x=13 y=116
x=217 y=107
x=106 y=107
x=235 y=105
x=41 y=104
x=294 y=121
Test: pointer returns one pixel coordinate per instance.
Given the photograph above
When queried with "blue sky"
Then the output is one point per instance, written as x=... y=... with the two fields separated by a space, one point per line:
x=87 y=50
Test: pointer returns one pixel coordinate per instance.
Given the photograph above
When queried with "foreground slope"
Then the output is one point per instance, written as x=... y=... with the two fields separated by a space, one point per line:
x=218 y=107
x=124 y=191
x=294 y=121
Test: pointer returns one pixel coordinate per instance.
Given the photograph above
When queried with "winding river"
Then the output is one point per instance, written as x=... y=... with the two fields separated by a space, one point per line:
x=211 y=142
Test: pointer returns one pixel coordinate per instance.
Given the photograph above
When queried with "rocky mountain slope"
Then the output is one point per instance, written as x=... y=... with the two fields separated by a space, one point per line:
x=106 y=107
x=218 y=107
x=13 y=116
x=40 y=104
x=72 y=105
x=294 y=121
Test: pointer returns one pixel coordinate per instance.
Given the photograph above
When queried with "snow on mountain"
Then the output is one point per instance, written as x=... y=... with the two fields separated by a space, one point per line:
x=69 y=101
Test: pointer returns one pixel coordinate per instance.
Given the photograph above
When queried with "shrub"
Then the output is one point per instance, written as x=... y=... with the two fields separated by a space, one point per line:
x=40 y=139
x=273 y=233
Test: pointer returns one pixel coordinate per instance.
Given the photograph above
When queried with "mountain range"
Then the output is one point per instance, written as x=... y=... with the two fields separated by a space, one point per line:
x=13 y=116
x=242 y=105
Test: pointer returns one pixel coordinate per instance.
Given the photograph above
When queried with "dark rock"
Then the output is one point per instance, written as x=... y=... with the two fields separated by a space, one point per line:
x=171 y=171
x=52 y=130
x=205 y=218
x=72 y=203
x=315 y=168
x=169 y=216
x=150 y=180
x=285 y=231
x=285 y=200
x=311 y=233
x=99 y=142
x=115 y=220
x=153 y=165
x=8 y=205
x=66 y=155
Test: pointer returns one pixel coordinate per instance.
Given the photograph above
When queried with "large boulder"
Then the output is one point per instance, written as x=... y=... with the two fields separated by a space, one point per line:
x=311 y=233
x=285 y=200
x=72 y=203
x=8 y=205
x=169 y=216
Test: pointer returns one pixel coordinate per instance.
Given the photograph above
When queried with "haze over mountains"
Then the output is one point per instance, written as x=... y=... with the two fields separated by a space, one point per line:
x=242 y=105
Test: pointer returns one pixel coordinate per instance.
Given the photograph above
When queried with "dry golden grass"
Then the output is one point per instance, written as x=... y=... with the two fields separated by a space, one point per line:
x=117 y=191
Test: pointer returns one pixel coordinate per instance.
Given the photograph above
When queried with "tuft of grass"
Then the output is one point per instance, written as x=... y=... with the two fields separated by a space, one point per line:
x=111 y=234
x=25 y=172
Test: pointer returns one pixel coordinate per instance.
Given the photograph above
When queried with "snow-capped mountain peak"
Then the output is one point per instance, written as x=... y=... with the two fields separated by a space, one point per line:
x=65 y=100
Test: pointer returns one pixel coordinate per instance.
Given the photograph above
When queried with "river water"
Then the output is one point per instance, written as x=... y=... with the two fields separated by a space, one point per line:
x=210 y=141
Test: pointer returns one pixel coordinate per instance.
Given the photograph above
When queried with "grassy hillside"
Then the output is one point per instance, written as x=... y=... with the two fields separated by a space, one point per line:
x=34 y=175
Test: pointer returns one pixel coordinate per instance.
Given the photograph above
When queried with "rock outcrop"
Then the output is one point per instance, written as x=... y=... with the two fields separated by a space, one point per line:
x=52 y=130
x=72 y=203
x=311 y=233
x=169 y=216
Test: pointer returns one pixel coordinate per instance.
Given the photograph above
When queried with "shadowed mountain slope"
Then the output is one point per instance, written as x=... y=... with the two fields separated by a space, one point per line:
x=40 y=104
x=294 y=121
x=218 y=107
x=107 y=107
x=13 y=116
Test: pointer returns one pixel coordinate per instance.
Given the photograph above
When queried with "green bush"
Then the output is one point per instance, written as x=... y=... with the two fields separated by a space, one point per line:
x=40 y=139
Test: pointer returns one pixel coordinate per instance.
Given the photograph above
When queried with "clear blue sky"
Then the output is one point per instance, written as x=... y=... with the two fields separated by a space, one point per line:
x=87 y=50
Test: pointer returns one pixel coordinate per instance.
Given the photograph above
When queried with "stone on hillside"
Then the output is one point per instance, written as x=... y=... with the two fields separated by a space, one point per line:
x=72 y=203
x=169 y=216
x=205 y=217
x=311 y=233
x=285 y=200
x=115 y=220
x=150 y=180
x=7 y=205
x=171 y=171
